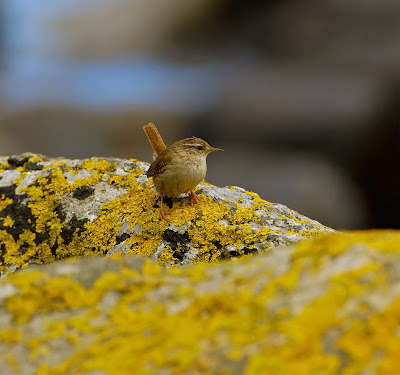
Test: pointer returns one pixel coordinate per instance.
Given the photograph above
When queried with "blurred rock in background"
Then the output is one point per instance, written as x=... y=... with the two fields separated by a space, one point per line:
x=303 y=96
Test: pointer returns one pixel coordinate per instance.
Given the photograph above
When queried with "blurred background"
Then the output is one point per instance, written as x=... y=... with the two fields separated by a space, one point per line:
x=303 y=96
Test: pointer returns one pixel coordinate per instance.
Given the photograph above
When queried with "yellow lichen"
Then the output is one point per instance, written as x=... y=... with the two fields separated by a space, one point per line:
x=60 y=293
x=10 y=335
x=4 y=202
x=206 y=222
x=4 y=166
x=12 y=361
x=7 y=221
x=311 y=233
x=35 y=159
x=202 y=319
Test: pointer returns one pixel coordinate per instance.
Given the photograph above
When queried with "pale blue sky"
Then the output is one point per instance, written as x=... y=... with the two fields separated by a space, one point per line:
x=34 y=75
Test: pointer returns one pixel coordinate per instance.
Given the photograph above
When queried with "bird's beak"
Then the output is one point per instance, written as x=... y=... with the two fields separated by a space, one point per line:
x=212 y=149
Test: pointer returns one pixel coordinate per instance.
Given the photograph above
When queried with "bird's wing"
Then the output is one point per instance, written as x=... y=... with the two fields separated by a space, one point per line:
x=158 y=166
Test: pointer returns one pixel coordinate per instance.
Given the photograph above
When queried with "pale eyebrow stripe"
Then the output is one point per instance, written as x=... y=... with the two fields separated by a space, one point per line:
x=193 y=144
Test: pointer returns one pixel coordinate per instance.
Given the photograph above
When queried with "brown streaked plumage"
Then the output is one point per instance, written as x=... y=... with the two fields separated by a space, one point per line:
x=180 y=168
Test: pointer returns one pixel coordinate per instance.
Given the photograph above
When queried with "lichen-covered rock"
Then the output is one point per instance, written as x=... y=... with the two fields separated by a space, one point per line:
x=330 y=305
x=57 y=208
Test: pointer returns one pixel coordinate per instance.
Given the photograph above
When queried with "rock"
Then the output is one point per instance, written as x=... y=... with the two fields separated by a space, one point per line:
x=58 y=208
x=330 y=304
x=134 y=27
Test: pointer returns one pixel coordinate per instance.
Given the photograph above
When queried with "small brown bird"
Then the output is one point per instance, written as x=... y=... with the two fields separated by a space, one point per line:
x=177 y=169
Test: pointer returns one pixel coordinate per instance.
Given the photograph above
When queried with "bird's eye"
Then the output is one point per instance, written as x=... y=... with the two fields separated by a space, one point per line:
x=199 y=147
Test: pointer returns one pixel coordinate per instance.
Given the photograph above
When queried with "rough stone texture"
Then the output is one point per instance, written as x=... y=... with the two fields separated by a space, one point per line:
x=330 y=305
x=57 y=208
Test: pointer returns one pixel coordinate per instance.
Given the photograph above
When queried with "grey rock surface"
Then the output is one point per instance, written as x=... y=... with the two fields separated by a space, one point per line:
x=58 y=208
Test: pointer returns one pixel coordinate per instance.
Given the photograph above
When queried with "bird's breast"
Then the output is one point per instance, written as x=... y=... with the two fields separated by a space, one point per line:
x=180 y=177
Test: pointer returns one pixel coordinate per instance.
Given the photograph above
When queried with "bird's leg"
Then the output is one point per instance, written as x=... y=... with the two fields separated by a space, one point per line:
x=163 y=214
x=193 y=197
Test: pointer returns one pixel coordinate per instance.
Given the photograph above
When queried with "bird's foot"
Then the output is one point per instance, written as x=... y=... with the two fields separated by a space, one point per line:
x=163 y=214
x=194 y=199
